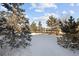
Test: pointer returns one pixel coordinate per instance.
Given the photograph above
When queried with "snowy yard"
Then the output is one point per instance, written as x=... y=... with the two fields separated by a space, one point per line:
x=41 y=45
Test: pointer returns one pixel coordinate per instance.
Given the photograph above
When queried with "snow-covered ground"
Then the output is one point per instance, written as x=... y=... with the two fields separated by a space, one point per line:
x=36 y=33
x=42 y=45
x=46 y=45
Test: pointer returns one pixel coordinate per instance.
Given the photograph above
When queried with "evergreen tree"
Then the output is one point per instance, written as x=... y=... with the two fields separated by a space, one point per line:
x=51 y=21
x=39 y=26
x=17 y=26
x=33 y=27
x=70 y=28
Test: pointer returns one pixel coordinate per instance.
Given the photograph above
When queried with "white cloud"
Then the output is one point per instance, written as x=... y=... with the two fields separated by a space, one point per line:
x=26 y=16
x=46 y=16
x=39 y=10
x=41 y=18
x=33 y=5
x=2 y=8
x=48 y=5
x=72 y=4
x=71 y=12
x=53 y=14
x=64 y=12
x=41 y=6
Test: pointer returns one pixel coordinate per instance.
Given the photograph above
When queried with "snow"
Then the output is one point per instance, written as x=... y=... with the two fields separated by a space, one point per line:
x=15 y=52
x=46 y=45
x=35 y=33
x=41 y=45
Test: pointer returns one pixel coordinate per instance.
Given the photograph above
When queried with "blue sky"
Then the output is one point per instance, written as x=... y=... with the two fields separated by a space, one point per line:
x=40 y=11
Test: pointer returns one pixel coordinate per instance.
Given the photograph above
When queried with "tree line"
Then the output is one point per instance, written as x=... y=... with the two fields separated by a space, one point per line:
x=37 y=28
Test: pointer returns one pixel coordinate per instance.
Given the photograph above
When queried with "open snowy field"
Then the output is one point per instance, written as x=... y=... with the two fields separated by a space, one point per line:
x=41 y=45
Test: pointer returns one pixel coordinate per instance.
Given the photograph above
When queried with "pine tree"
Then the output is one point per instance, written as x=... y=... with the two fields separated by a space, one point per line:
x=17 y=26
x=39 y=26
x=51 y=22
x=70 y=28
x=33 y=27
